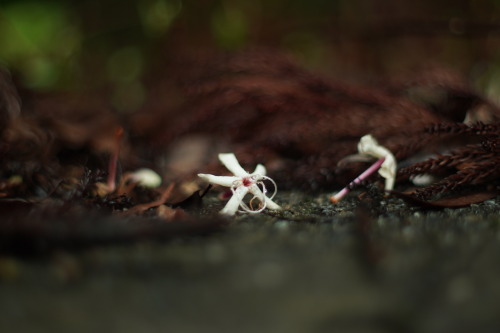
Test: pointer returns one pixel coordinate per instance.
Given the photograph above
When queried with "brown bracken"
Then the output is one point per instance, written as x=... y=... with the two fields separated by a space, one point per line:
x=270 y=110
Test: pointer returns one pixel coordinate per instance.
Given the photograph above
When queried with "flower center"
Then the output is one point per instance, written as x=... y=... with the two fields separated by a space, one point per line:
x=247 y=181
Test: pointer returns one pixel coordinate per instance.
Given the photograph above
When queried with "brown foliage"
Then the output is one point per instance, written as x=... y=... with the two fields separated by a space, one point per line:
x=470 y=165
x=268 y=109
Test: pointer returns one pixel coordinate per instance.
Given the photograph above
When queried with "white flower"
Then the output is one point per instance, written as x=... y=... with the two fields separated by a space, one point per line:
x=242 y=183
x=385 y=165
x=369 y=146
x=146 y=177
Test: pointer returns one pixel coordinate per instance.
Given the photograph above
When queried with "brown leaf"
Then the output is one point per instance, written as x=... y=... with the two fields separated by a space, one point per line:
x=455 y=202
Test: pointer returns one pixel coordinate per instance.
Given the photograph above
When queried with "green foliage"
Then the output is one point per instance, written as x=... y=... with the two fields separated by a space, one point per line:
x=56 y=43
x=125 y=65
x=157 y=15
x=38 y=40
x=124 y=69
x=229 y=26
x=306 y=46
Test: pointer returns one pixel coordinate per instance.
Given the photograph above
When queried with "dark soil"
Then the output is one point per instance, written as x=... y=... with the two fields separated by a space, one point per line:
x=376 y=265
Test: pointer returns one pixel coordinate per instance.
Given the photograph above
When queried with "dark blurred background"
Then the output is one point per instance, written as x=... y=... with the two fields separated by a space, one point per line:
x=111 y=43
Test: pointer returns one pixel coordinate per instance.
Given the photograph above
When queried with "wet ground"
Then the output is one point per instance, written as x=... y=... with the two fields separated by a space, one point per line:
x=377 y=265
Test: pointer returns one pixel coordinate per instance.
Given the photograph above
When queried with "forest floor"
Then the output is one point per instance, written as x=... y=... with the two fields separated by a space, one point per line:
x=370 y=265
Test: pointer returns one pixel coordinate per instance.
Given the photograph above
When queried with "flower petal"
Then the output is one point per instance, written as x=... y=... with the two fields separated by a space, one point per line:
x=232 y=164
x=272 y=205
x=369 y=146
x=260 y=170
x=219 y=180
x=388 y=171
x=255 y=190
x=147 y=178
x=233 y=203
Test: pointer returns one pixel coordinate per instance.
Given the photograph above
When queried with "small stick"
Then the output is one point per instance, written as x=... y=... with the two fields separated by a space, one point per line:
x=367 y=173
x=143 y=207
x=114 y=160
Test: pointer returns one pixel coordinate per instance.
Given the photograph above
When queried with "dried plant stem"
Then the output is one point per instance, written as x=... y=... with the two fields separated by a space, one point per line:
x=367 y=173
x=113 y=162
x=143 y=207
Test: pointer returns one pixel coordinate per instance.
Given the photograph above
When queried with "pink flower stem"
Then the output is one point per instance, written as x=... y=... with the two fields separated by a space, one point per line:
x=367 y=173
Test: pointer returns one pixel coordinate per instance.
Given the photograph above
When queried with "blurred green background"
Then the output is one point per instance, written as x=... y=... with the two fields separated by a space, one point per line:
x=112 y=43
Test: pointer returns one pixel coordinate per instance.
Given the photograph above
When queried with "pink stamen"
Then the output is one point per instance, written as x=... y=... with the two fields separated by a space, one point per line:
x=367 y=173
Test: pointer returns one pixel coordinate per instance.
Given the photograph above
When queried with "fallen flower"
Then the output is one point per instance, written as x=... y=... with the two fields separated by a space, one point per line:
x=146 y=177
x=369 y=146
x=386 y=165
x=242 y=183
